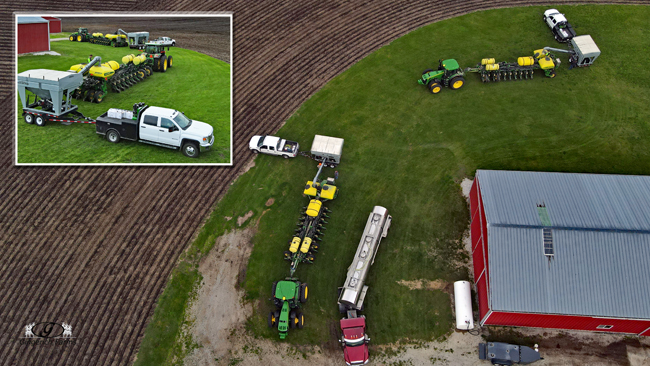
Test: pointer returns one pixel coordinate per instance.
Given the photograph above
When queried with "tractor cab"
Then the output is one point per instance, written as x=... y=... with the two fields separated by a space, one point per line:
x=83 y=31
x=154 y=48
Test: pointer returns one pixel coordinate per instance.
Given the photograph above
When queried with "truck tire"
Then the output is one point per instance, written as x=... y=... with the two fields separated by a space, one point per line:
x=255 y=151
x=342 y=309
x=29 y=118
x=113 y=136
x=173 y=44
x=285 y=156
x=304 y=293
x=40 y=121
x=190 y=149
x=300 y=319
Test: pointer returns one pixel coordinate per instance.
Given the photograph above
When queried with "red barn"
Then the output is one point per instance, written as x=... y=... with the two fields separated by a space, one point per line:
x=55 y=24
x=33 y=34
x=562 y=250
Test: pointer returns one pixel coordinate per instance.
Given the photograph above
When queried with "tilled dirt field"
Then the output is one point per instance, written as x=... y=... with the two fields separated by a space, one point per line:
x=94 y=247
x=209 y=35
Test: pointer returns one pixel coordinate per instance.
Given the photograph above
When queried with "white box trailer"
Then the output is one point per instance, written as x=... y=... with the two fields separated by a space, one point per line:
x=327 y=149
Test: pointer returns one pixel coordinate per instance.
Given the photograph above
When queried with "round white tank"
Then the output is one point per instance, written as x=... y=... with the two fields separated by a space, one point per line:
x=463 y=300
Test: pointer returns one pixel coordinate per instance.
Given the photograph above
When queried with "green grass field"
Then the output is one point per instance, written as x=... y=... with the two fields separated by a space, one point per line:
x=197 y=84
x=60 y=35
x=408 y=150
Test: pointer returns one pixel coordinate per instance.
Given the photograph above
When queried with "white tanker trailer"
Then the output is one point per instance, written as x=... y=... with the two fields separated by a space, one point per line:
x=354 y=291
x=353 y=328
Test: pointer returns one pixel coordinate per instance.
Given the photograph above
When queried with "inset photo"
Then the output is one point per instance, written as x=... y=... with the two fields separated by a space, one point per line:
x=108 y=89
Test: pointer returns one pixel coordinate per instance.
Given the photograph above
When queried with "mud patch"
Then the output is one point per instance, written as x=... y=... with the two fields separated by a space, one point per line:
x=218 y=307
x=425 y=284
x=270 y=202
x=242 y=219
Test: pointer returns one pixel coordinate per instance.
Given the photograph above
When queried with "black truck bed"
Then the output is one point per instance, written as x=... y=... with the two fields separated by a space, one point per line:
x=127 y=128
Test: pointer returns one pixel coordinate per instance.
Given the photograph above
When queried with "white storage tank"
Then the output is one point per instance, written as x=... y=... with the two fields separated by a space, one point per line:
x=463 y=300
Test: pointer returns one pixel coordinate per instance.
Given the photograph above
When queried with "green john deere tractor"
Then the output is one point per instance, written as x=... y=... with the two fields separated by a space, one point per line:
x=156 y=51
x=449 y=74
x=81 y=35
x=287 y=297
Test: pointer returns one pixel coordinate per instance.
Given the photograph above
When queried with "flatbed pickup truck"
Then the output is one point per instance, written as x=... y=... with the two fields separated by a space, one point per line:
x=156 y=126
x=165 y=41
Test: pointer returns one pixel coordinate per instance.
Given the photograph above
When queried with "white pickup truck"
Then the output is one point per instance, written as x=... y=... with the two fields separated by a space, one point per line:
x=273 y=146
x=156 y=126
x=561 y=28
x=165 y=41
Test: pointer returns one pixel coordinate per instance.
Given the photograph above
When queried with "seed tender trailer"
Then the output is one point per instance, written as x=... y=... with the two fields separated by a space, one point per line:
x=52 y=92
x=354 y=339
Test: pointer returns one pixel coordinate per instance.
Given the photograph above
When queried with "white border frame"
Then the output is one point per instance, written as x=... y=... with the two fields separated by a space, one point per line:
x=120 y=15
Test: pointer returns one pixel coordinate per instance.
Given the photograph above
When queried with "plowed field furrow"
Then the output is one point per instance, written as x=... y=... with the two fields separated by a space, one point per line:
x=140 y=259
x=145 y=282
x=90 y=273
x=100 y=262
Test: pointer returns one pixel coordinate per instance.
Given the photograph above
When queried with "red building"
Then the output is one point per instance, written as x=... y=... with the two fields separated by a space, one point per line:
x=562 y=250
x=33 y=34
x=55 y=24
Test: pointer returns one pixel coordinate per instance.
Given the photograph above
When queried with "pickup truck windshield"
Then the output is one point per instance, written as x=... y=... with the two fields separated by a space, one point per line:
x=182 y=121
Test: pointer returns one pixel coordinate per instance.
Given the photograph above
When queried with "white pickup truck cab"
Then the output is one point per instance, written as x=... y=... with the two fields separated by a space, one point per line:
x=157 y=126
x=273 y=146
x=165 y=41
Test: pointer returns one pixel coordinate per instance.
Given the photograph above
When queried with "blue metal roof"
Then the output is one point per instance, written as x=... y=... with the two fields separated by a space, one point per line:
x=601 y=240
x=31 y=19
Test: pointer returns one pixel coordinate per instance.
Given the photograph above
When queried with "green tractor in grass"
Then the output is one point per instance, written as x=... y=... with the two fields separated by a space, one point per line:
x=81 y=35
x=156 y=52
x=287 y=297
x=449 y=74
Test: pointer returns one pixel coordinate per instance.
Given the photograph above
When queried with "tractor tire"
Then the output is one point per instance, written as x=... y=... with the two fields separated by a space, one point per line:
x=190 y=149
x=113 y=136
x=79 y=38
x=300 y=320
x=40 y=121
x=435 y=87
x=426 y=71
x=456 y=83
x=275 y=285
x=273 y=321
x=89 y=96
x=163 y=63
x=169 y=61
x=551 y=74
x=304 y=293
x=29 y=118
x=98 y=97
x=72 y=38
